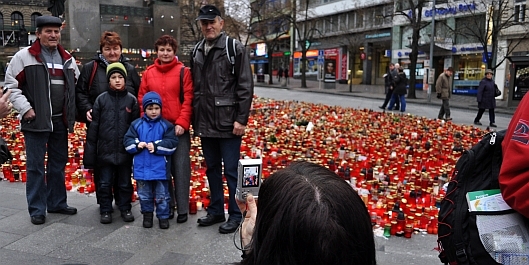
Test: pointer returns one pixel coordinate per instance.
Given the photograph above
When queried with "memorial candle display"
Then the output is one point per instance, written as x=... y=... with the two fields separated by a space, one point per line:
x=398 y=163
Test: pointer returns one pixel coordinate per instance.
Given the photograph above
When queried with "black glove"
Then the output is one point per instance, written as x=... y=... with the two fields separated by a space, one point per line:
x=438 y=95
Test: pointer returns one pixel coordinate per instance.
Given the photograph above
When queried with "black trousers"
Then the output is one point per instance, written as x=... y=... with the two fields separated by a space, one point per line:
x=389 y=93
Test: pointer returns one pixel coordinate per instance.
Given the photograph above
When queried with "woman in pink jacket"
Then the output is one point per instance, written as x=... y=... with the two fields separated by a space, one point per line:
x=173 y=82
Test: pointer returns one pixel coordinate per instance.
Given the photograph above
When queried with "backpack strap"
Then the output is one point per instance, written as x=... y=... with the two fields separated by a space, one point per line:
x=182 y=73
x=92 y=75
x=230 y=52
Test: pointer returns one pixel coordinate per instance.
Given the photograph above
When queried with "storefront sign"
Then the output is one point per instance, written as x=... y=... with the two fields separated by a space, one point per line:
x=378 y=35
x=451 y=10
x=310 y=53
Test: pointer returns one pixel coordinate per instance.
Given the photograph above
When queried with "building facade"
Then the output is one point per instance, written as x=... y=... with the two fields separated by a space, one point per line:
x=138 y=22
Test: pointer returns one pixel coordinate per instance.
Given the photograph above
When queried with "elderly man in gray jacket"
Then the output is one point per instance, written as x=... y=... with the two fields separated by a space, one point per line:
x=42 y=82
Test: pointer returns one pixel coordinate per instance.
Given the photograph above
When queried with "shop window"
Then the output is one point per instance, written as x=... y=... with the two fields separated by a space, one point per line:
x=469 y=68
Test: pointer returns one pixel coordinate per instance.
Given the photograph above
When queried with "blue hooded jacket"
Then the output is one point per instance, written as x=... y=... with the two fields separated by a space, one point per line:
x=160 y=132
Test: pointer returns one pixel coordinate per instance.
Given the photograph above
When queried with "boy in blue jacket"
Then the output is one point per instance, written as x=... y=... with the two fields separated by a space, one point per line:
x=152 y=140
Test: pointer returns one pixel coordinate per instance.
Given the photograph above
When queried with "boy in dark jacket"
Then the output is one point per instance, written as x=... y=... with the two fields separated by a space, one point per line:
x=112 y=114
x=152 y=141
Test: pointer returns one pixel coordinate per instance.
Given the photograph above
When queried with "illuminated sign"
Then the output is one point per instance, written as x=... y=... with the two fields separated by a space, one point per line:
x=261 y=49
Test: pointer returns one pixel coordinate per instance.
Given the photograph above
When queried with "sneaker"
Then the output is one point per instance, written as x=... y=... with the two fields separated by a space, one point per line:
x=448 y=119
x=478 y=123
x=106 y=218
x=127 y=216
x=493 y=125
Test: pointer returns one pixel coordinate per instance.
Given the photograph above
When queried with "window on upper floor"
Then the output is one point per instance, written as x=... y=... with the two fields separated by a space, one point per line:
x=34 y=17
x=1 y=21
x=17 y=20
x=342 y=22
x=519 y=10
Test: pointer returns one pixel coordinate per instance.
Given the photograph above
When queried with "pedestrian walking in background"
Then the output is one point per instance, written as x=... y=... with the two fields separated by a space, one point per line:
x=389 y=82
x=279 y=74
x=112 y=114
x=42 y=79
x=400 y=91
x=285 y=72
x=443 y=87
x=486 y=98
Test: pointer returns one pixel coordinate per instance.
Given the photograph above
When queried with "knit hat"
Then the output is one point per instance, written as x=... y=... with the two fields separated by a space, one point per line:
x=151 y=98
x=116 y=67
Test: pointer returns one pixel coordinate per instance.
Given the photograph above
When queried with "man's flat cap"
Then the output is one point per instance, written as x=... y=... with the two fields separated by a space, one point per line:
x=208 y=12
x=48 y=21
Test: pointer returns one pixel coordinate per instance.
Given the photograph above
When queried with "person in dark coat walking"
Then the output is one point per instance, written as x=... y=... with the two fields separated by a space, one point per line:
x=389 y=81
x=279 y=74
x=486 y=98
x=400 y=91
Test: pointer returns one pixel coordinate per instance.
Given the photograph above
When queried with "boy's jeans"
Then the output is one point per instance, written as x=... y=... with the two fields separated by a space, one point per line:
x=153 y=192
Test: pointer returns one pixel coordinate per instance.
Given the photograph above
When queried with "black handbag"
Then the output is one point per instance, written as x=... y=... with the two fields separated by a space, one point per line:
x=5 y=154
x=497 y=91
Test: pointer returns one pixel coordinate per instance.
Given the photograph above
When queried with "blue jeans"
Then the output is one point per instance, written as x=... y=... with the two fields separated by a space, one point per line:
x=396 y=98
x=108 y=175
x=153 y=192
x=45 y=187
x=216 y=151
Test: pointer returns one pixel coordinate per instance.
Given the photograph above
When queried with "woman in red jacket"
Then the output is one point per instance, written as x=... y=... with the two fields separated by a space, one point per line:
x=164 y=77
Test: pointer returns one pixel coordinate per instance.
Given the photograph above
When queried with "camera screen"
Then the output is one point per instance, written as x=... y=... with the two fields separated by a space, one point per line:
x=251 y=176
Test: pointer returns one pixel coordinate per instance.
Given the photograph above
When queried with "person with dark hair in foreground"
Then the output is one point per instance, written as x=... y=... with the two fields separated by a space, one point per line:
x=307 y=215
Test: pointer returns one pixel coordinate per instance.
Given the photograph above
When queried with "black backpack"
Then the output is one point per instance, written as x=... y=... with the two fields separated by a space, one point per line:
x=459 y=238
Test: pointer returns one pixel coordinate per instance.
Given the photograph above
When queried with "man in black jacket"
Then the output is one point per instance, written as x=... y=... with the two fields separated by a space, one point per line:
x=221 y=105
x=389 y=81
x=42 y=82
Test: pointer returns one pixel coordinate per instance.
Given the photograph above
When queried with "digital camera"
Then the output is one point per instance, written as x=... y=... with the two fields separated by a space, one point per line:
x=248 y=178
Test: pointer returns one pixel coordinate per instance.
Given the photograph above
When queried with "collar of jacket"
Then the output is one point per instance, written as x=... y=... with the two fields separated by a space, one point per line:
x=220 y=42
x=166 y=67
x=120 y=93
x=147 y=119
x=36 y=50
x=122 y=59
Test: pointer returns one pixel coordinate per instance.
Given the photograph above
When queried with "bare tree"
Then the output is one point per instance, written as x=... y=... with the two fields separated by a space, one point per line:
x=190 y=28
x=270 y=21
x=486 y=24
x=412 y=11
x=304 y=32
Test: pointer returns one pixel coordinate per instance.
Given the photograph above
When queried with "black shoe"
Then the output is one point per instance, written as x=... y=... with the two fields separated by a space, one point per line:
x=493 y=125
x=381 y=107
x=181 y=218
x=171 y=213
x=229 y=227
x=127 y=216
x=448 y=119
x=164 y=223
x=147 y=220
x=106 y=218
x=68 y=211
x=38 y=219
x=211 y=219
x=477 y=123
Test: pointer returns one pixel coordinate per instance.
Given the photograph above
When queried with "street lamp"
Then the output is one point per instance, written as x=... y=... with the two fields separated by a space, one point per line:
x=431 y=51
